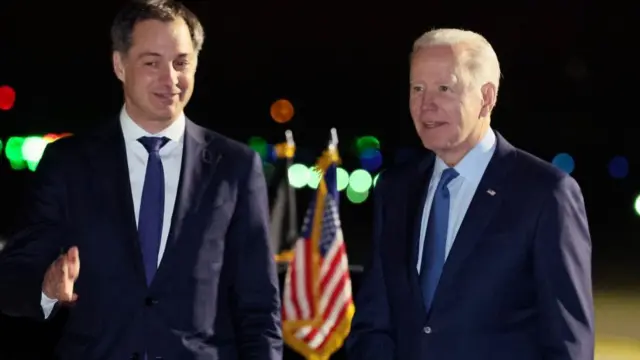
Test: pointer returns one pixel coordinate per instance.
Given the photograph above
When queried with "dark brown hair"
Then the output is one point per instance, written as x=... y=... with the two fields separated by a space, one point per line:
x=162 y=10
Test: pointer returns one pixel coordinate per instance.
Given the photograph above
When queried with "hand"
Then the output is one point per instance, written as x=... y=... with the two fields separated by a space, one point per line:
x=61 y=276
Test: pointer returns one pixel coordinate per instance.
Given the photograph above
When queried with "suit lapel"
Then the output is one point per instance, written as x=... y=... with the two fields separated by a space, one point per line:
x=199 y=161
x=486 y=201
x=417 y=196
x=108 y=159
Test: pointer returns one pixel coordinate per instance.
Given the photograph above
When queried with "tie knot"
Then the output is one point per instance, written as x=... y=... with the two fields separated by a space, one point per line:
x=448 y=175
x=153 y=144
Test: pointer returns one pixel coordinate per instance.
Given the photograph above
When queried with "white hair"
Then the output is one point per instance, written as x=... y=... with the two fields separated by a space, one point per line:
x=476 y=53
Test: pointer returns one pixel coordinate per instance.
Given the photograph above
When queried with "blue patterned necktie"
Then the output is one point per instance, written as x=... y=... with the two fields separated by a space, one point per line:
x=435 y=239
x=152 y=206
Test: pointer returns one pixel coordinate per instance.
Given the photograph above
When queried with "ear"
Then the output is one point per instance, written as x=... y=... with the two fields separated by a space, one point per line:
x=489 y=93
x=118 y=65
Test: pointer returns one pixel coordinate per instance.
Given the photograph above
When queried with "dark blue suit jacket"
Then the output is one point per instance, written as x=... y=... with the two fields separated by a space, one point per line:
x=215 y=295
x=516 y=284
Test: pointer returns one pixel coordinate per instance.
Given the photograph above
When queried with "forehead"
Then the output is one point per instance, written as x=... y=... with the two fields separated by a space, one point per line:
x=161 y=37
x=434 y=62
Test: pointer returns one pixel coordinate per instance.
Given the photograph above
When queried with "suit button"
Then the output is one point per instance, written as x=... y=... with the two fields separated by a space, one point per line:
x=159 y=358
x=426 y=330
x=149 y=301
x=135 y=356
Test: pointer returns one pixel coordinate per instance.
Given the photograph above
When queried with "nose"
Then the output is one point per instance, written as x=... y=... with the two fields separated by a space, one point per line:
x=428 y=103
x=169 y=76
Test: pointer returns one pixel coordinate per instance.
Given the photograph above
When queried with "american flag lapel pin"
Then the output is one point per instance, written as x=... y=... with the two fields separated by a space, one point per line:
x=491 y=192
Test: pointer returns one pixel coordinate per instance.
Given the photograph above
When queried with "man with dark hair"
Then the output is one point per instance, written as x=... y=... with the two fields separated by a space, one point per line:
x=170 y=220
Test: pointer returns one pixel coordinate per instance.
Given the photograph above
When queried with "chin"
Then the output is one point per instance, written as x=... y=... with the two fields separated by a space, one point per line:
x=432 y=140
x=435 y=146
x=166 y=112
x=440 y=144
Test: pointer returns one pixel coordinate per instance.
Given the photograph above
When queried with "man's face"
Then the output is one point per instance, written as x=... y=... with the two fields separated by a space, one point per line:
x=450 y=116
x=158 y=71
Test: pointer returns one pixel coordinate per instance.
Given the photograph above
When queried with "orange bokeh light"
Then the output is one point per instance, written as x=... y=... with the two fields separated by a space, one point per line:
x=49 y=138
x=282 y=111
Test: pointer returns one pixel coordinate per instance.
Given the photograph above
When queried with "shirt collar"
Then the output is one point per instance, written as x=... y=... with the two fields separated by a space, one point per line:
x=472 y=165
x=132 y=131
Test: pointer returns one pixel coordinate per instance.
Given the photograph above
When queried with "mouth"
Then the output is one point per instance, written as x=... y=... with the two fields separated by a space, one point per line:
x=166 y=98
x=433 y=124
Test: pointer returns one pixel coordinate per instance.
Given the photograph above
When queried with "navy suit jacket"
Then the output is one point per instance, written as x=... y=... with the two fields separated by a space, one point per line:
x=215 y=294
x=516 y=284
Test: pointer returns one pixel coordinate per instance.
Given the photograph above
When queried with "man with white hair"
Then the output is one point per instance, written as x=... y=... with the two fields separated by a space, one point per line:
x=481 y=251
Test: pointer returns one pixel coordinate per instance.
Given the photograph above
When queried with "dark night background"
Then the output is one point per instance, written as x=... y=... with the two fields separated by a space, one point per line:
x=566 y=88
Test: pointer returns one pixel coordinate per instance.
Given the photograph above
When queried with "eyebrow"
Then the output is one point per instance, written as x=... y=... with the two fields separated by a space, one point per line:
x=148 y=53
x=155 y=54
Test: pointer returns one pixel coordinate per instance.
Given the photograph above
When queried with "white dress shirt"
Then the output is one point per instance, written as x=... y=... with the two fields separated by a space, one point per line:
x=471 y=169
x=137 y=156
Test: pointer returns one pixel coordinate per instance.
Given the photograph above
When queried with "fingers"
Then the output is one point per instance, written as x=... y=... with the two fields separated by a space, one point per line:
x=69 y=270
x=65 y=282
x=72 y=262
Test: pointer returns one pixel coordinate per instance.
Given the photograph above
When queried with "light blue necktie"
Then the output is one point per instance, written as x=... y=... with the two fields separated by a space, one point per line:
x=152 y=206
x=435 y=239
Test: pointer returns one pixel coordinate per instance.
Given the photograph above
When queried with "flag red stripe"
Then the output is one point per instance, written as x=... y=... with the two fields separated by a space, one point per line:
x=343 y=313
x=333 y=302
x=335 y=264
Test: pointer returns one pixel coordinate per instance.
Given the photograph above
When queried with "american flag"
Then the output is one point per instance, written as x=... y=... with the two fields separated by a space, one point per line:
x=317 y=301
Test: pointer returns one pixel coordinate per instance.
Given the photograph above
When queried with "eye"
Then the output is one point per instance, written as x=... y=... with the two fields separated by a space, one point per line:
x=444 y=88
x=181 y=64
x=417 y=88
x=151 y=64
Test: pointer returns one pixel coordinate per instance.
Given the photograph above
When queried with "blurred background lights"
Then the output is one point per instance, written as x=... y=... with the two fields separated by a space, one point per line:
x=281 y=111
x=7 y=97
x=371 y=159
x=367 y=142
x=368 y=151
x=13 y=152
x=314 y=178
x=32 y=150
x=618 y=167
x=564 y=162
x=260 y=146
x=299 y=175
x=342 y=178
x=360 y=181
x=26 y=152
x=356 y=185
x=356 y=197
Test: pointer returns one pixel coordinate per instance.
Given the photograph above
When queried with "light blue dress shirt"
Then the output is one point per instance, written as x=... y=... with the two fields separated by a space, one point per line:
x=462 y=189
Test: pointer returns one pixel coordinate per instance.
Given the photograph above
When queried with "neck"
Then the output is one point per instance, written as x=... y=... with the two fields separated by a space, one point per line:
x=452 y=157
x=152 y=126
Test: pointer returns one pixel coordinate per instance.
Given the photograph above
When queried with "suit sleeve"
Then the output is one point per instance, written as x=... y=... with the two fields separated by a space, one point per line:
x=371 y=336
x=563 y=275
x=255 y=287
x=37 y=243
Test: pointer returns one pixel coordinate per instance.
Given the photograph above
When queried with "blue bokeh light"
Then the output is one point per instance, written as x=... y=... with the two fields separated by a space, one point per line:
x=618 y=167
x=564 y=162
x=371 y=159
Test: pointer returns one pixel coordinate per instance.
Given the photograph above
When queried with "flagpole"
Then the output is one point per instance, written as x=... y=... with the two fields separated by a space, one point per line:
x=292 y=232
x=322 y=214
x=333 y=143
